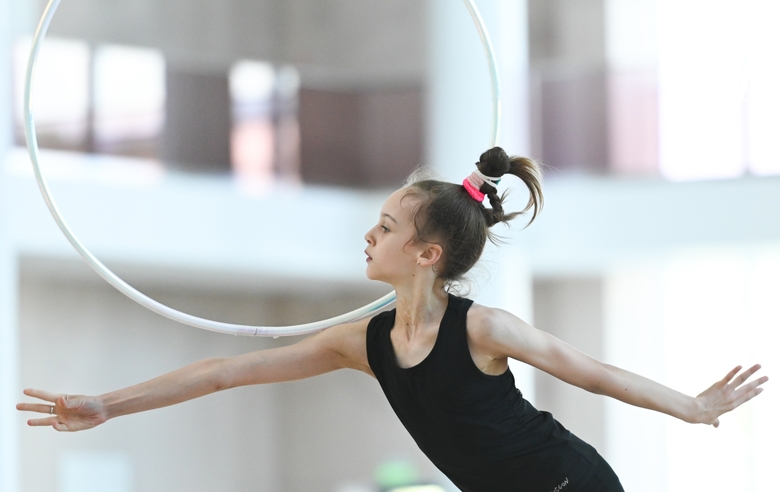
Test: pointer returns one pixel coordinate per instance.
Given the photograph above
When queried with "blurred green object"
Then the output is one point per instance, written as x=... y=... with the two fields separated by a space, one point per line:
x=392 y=474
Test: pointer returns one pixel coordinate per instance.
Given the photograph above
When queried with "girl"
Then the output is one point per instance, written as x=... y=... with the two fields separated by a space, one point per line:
x=440 y=359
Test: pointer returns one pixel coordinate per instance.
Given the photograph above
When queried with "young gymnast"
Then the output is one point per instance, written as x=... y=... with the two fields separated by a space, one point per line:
x=440 y=359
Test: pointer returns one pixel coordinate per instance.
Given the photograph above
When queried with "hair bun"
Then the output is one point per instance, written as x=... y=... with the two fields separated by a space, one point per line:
x=494 y=162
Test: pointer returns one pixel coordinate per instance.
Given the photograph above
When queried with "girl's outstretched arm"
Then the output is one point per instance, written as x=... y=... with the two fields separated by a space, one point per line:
x=504 y=335
x=339 y=347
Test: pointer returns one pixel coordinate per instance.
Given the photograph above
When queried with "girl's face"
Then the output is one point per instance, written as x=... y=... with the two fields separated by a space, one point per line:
x=392 y=251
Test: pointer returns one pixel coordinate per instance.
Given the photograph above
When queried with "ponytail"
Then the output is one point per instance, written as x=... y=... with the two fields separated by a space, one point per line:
x=496 y=163
x=454 y=217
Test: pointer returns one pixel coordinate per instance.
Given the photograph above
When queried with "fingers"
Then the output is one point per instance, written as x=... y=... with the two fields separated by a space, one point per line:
x=42 y=422
x=749 y=391
x=744 y=376
x=730 y=392
x=43 y=395
x=60 y=426
x=737 y=392
x=35 y=407
x=57 y=399
x=65 y=413
x=726 y=380
x=51 y=421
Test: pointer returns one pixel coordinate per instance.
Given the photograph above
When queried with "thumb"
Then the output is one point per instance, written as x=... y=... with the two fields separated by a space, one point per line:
x=716 y=423
x=59 y=426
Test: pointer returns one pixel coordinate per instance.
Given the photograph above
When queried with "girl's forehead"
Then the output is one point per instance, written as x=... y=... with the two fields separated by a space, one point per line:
x=399 y=204
x=393 y=202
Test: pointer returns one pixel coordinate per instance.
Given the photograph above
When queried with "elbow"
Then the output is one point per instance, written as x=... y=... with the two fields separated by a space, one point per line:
x=217 y=373
x=602 y=381
x=597 y=388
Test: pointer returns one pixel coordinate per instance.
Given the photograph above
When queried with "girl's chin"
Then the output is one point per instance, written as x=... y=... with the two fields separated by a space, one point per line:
x=370 y=275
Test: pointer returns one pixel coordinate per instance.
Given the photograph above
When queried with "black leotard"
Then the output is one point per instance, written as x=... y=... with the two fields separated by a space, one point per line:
x=476 y=428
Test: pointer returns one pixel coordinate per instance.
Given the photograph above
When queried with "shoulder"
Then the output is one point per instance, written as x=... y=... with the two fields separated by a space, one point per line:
x=495 y=328
x=480 y=319
x=486 y=330
x=344 y=335
x=347 y=342
x=487 y=321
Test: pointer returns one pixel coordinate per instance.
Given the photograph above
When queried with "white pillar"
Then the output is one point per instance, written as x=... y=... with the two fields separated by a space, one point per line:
x=460 y=120
x=9 y=421
x=9 y=364
x=459 y=90
x=633 y=339
x=5 y=76
x=9 y=442
x=504 y=280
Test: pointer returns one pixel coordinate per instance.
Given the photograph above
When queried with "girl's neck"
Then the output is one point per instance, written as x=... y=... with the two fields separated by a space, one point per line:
x=419 y=307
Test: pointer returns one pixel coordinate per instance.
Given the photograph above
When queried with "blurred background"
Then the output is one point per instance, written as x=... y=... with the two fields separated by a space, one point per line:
x=226 y=158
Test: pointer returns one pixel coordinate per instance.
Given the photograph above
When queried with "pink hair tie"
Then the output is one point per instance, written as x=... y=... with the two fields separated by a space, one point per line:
x=475 y=181
x=473 y=191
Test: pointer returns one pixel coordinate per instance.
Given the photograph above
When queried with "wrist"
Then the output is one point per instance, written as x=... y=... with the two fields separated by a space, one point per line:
x=107 y=406
x=695 y=412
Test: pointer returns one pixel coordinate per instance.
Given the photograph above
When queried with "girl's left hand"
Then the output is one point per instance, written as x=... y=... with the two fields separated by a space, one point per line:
x=727 y=394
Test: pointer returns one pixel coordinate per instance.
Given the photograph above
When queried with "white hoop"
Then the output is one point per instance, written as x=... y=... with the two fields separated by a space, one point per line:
x=188 y=319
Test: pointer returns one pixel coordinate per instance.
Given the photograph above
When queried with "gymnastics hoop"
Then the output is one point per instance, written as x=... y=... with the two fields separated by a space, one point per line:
x=162 y=309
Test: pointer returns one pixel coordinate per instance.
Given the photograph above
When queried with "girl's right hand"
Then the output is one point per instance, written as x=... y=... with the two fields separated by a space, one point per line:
x=66 y=413
x=727 y=394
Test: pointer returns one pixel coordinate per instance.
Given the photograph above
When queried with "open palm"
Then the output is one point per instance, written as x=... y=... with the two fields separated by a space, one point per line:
x=728 y=393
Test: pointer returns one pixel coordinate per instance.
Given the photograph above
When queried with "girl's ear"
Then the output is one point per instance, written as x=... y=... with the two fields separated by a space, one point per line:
x=430 y=255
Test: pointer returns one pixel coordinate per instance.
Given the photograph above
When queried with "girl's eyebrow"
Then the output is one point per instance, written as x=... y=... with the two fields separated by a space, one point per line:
x=389 y=217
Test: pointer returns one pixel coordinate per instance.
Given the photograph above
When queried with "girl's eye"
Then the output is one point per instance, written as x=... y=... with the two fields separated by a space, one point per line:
x=385 y=229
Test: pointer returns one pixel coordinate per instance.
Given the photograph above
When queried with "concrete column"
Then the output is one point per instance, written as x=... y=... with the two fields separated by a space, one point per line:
x=9 y=474
x=503 y=279
x=15 y=18
x=5 y=76
x=571 y=308
x=635 y=442
x=197 y=121
x=459 y=94
x=459 y=124
x=9 y=364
